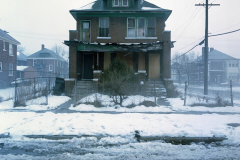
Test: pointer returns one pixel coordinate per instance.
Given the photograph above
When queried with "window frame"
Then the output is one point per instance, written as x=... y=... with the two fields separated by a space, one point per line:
x=100 y=25
x=10 y=50
x=134 y=26
x=124 y=5
x=116 y=5
x=0 y=66
x=34 y=62
x=10 y=72
x=50 y=67
x=151 y=27
x=144 y=26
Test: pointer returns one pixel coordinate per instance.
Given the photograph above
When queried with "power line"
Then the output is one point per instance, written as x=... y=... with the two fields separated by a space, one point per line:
x=224 y=33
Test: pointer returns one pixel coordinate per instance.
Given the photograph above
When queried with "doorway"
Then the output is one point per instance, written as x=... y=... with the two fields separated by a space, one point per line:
x=88 y=66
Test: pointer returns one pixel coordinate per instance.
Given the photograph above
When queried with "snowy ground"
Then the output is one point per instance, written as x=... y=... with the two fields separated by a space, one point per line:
x=117 y=129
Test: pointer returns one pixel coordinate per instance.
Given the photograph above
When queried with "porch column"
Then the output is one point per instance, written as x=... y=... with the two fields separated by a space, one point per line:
x=166 y=54
x=72 y=55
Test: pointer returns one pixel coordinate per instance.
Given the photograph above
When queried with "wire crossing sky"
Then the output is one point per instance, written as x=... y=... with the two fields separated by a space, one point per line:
x=36 y=22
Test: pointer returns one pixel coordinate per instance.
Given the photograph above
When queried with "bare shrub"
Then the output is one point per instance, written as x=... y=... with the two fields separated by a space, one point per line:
x=120 y=80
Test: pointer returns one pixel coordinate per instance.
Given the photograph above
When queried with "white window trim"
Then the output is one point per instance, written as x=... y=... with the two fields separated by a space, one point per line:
x=124 y=5
x=108 y=28
x=134 y=27
x=140 y=37
x=116 y=5
x=4 y=46
x=11 y=50
x=50 y=67
x=33 y=62
x=0 y=66
x=103 y=37
x=144 y=27
x=10 y=70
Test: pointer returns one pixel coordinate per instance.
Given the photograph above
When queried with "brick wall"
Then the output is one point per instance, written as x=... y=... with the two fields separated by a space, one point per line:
x=5 y=79
x=118 y=30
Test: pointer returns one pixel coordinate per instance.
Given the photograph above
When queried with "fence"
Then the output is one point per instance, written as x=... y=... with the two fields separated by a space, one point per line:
x=221 y=95
x=134 y=95
x=32 y=90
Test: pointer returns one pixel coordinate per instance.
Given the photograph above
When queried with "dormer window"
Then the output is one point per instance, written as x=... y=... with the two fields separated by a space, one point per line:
x=120 y=3
x=124 y=3
x=115 y=3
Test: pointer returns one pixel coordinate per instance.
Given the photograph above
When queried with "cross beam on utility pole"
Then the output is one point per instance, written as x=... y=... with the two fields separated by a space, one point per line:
x=206 y=46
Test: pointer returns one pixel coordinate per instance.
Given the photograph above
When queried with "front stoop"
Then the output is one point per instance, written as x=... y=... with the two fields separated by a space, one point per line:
x=153 y=88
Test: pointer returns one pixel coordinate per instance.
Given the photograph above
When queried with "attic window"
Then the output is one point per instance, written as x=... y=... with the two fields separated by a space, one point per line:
x=115 y=2
x=124 y=3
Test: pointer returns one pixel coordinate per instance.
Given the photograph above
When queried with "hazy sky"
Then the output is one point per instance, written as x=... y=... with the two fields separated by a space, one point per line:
x=36 y=22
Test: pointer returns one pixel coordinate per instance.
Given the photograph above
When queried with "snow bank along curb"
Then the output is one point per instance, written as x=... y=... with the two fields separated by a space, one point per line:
x=174 y=140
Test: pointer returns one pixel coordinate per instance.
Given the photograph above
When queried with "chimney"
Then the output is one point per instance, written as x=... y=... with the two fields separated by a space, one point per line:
x=42 y=46
x=211 y=49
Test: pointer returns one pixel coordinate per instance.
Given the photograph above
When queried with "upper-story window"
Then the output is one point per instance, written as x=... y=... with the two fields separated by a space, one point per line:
x=124 y=3
x=131 y=27
x=50 y=67
x=151 y=27
x=0 y=66
x=141 y=27
x=115 y=3
x=34 y=62
x=10 y=69
x=104 y=27
x=10 y=50
x=4 y=48
x=120 y=3
x=146 y=27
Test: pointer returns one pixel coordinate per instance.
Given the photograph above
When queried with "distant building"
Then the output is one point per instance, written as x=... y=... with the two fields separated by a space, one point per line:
x=21 y=59
x=26 y=72
x=8 y=58
x=48 y=64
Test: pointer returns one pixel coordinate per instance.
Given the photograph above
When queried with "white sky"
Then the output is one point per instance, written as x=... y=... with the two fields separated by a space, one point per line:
x=36 y=22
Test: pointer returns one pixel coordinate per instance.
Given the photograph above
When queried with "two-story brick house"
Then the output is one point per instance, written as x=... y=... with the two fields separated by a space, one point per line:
x=8 y=58
x=48 y=64
x=132 y=30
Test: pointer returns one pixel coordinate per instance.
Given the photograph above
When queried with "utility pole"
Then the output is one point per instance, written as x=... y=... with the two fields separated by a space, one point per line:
x=206 y=47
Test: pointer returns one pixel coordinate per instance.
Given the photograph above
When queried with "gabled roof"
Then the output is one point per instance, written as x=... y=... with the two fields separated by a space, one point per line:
x=101 y=6
x=21 y=56
x=217 y=55
x=6 y=37
x=45 y=54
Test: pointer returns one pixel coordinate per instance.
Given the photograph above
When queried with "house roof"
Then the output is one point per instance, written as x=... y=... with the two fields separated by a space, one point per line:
x=101 y=6
x=21 y=56
x=6 y=37
x=45 y=54
x=217 y=55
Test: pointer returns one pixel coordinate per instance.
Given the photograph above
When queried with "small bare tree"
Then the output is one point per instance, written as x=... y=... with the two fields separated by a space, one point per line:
x=120 y=79
x=59 y=50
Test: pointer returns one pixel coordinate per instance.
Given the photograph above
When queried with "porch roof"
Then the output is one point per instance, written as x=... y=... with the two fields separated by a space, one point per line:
x=116 y=47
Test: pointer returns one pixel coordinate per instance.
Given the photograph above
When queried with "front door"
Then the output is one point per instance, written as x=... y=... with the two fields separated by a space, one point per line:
x=88 y=66
x=86 y=31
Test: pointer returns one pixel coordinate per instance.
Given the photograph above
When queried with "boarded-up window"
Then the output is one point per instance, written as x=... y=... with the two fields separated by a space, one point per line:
x=115 y=2
x=124 y=3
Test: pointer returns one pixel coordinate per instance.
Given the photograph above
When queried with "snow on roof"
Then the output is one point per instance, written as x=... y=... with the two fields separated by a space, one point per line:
x=149 y=8
x=87 y=7
x=21 y=68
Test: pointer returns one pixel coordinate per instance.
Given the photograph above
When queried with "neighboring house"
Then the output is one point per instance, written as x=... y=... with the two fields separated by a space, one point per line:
x=21 y=59
x=175 y=73
x=26 y=72
x=222 y=67
x=132 y=30
x=48 y=64
x=8 y=58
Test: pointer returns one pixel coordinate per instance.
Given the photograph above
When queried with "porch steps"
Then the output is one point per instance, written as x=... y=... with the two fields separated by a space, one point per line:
x=159 y=88
x=83 y=89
